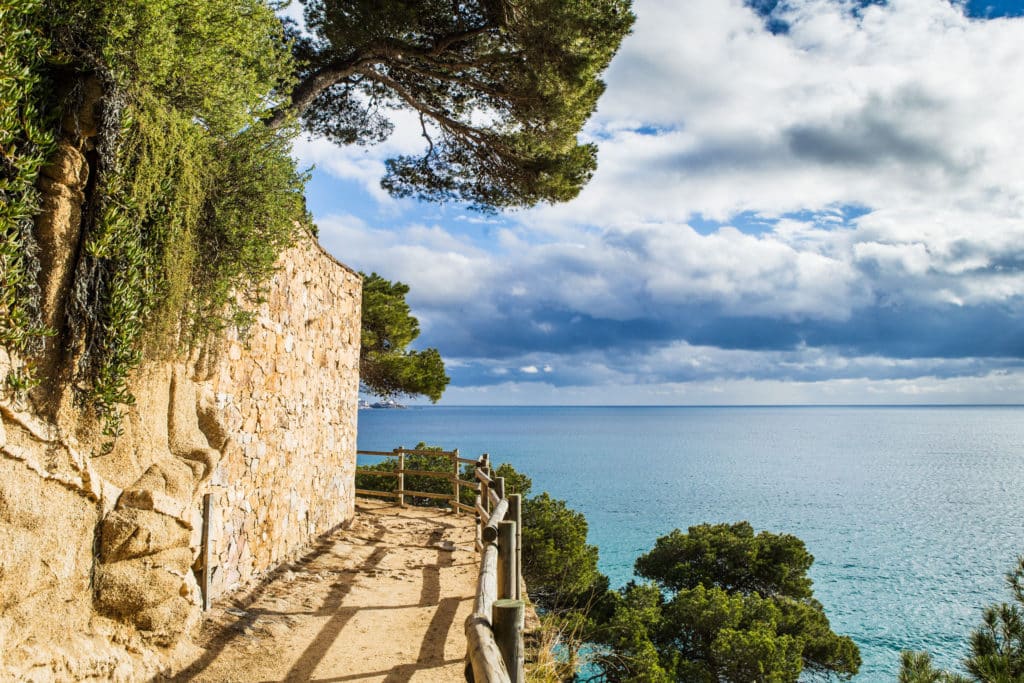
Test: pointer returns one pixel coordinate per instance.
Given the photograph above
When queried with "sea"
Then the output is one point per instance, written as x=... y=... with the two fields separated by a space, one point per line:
x=913 y=514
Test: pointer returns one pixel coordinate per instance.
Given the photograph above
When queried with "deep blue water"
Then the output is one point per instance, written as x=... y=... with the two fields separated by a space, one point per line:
x=913 y=515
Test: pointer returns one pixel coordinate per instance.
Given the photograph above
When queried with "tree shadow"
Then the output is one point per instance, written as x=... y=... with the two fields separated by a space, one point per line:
x=431 y=653
x=229 y=632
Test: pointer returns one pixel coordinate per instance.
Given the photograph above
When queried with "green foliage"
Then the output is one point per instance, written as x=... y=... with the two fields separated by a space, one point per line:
x=731 y=557
x=217 y=61
x=723 y=604
x=559 y=566
x=190 y=225
x=192 y=198
x=501 y=89
x=917 y=667
x=146 y=216
x=997 y=645
x=515 y=481
x=25 y=143
x=254 y=211
x=386 y=367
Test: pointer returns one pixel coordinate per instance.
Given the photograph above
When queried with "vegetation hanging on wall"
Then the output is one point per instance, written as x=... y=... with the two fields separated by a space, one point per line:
x=26 y=141
x=192 y=198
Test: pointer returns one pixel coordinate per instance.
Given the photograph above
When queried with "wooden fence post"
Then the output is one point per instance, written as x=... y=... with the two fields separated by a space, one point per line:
x=507 y=560
x=515 y=514
x=499 y=487
x=401 y=476
x=506 y=620
x=455 y=482
x=207 y=574
x=487 y=471
x=479 y=525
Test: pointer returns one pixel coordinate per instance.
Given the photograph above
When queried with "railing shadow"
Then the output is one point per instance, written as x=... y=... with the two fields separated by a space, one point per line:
x=232 y=631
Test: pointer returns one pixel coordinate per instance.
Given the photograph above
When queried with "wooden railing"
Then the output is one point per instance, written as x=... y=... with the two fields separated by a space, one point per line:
x=494 y=631
x=454 y=498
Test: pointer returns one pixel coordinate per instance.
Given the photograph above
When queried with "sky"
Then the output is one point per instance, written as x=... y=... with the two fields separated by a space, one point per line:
x=812 y=201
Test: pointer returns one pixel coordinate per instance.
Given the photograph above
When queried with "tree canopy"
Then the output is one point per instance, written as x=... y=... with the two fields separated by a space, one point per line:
x=386 y=367
x=723 y=604
x=501 y=89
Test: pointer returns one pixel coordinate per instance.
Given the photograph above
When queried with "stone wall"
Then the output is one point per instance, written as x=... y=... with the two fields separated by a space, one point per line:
x=99 y=548
x=288 y=397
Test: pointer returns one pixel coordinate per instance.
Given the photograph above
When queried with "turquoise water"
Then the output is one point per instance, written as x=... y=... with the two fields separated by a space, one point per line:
x=913 y=514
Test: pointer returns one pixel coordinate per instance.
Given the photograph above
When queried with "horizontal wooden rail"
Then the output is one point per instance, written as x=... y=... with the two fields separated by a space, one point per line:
x=485 y=660
x=377 y=473
x=407 y=492
x=497 y=516
x=464 y=507
x=487 y=582
x=428 y=473
x=384 y=494
x=482 y=650
x=482 y=477
x=426 y=494
x=436 y=454
x=418 y=473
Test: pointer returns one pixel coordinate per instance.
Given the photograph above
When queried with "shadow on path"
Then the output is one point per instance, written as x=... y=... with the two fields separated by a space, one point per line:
x=431 y=654
x=230 y=632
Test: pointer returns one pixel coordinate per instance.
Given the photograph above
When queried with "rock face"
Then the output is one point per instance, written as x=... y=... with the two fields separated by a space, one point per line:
x=286 y=403
x=99 y=551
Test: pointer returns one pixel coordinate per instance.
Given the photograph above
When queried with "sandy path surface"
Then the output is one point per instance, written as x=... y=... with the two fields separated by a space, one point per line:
x=382 y=601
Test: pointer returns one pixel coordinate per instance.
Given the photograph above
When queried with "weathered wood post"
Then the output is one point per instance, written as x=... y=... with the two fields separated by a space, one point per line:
x=507 y=560
x=515 y=514
x=401 y=476
x=207 y=574
x=498 y=514
x=499 y=487
x=484 y=488
x=506 y=619
x=487 y=471
x=455 y=482
x=479 y=525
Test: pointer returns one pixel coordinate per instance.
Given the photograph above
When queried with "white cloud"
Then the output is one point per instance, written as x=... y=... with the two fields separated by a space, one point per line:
x=900 y=105
x=906 y=111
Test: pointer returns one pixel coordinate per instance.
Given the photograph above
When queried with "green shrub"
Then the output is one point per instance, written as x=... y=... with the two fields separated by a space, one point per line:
x=722 y=604
x=416 y=482
x=192 y=198
x=25 y=143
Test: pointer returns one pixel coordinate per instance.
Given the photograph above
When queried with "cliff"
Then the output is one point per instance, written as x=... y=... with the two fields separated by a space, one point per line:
x=102 y=550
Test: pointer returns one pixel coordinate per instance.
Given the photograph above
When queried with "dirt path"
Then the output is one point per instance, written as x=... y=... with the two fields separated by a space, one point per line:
x=382 y=601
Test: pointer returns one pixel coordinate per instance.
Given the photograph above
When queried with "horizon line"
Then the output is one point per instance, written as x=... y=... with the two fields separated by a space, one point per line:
x=715 y=405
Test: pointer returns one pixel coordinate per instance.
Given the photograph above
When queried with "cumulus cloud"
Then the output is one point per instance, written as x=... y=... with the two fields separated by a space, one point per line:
x=826 y=194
